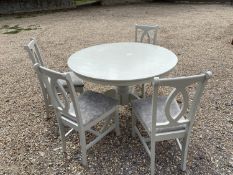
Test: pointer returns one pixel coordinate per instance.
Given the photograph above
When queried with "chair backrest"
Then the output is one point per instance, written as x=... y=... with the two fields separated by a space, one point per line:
x=145 y=33
x=61 y=98
x=34 y=52
x=180 y=85
x=35 y=56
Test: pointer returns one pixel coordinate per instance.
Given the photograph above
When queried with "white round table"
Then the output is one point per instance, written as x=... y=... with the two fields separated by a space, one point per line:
x=122 y=64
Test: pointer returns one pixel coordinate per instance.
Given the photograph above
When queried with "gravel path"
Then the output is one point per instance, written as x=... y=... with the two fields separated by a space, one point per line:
x=201 y=37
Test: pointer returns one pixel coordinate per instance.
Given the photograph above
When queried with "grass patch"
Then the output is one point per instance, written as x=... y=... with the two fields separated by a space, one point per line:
x=84 y=2
x=6 y=29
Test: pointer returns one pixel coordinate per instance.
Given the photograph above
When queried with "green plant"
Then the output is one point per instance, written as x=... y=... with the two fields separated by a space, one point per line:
x=6 y=29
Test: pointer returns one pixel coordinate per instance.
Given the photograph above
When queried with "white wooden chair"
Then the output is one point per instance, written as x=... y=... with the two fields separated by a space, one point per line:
x=35 y=56
x=147 y=34
x=162 y=117
x=81 y=112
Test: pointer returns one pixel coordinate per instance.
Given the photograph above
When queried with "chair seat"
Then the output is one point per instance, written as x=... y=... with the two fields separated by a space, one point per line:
x=76 y=80
x=143 y=109
x=93 y=105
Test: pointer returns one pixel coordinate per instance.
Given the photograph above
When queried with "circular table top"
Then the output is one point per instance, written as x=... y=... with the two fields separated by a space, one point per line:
x=122 y=64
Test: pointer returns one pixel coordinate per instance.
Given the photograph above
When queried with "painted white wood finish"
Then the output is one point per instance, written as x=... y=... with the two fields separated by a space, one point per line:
x=158 y=118
x=122 y=64
x=35 y=55
x=79 y=112
x=148 y=34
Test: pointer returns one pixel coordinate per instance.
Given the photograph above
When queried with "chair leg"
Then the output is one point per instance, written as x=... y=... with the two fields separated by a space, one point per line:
x=152 y=157
x=132 y=89
x=47 y=103
x=184 y=153
x=47 y=109
x=83 y=147
x=62 y=133
x=47 y=100
x=133 y=124
x=143 y=90
x=117 y=125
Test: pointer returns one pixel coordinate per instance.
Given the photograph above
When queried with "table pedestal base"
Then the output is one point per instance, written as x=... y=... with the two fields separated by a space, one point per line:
x=123 y=94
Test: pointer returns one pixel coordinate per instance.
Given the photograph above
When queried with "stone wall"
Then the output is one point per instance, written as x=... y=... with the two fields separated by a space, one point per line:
x=203 y=1
x=17 y=6
x=115 y=2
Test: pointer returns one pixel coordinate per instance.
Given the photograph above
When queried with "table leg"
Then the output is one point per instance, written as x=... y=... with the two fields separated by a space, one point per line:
x=123 y=92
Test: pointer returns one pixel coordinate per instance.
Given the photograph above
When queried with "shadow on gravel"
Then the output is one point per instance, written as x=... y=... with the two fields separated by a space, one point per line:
x=126 y=155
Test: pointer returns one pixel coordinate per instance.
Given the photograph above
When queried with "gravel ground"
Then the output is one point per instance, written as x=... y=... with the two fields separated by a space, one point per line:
x=201 y=37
